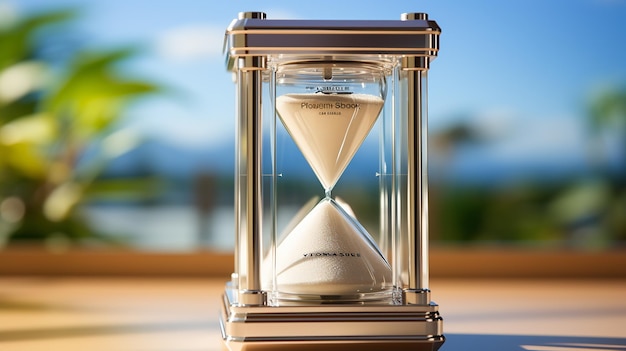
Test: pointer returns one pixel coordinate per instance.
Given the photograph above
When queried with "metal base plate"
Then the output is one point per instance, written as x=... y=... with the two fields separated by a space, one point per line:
x=330 y=327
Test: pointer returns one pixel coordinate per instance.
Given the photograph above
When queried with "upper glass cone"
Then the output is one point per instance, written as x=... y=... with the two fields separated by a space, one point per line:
x=329 y=109
x=328 y=128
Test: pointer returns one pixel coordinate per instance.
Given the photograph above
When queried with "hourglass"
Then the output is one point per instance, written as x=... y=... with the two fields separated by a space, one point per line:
x=317 y=276
x=329 y=108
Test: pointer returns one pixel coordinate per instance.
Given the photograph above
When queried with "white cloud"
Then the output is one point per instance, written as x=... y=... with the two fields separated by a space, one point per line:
x=190 y=43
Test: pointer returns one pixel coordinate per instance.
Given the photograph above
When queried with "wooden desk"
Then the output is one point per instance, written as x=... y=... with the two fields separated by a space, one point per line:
x=141 y=314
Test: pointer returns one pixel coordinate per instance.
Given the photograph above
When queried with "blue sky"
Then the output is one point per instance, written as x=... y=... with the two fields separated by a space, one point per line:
x=521 y=71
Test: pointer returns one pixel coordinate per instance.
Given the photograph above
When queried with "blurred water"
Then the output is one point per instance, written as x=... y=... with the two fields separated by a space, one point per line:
x=173 y=228
x=165 y=227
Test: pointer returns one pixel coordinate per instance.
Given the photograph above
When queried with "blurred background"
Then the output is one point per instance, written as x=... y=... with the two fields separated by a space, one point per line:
x=117 y=121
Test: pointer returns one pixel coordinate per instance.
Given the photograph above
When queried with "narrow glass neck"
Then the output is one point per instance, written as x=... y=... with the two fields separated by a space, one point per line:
x=327 y=193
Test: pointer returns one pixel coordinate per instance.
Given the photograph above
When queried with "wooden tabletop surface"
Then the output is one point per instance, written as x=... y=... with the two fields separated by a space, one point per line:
x=142 y=314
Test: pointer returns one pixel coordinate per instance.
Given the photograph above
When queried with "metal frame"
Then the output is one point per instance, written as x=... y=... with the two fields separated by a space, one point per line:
x=248 y=322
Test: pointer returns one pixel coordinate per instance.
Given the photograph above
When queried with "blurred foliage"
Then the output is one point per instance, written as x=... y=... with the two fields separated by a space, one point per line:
x=581 y=214
x=50 y=115
x=584 y=211
x=608 y=109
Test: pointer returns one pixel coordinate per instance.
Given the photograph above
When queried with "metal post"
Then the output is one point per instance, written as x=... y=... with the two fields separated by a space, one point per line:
x=417 y=184
x=417 y=291
x=250 y=113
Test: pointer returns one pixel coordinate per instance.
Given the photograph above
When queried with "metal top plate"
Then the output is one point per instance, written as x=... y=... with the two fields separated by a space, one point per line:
x=247 y=37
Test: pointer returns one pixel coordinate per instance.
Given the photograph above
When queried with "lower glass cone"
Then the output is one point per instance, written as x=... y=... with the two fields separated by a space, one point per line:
x=329 y=256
